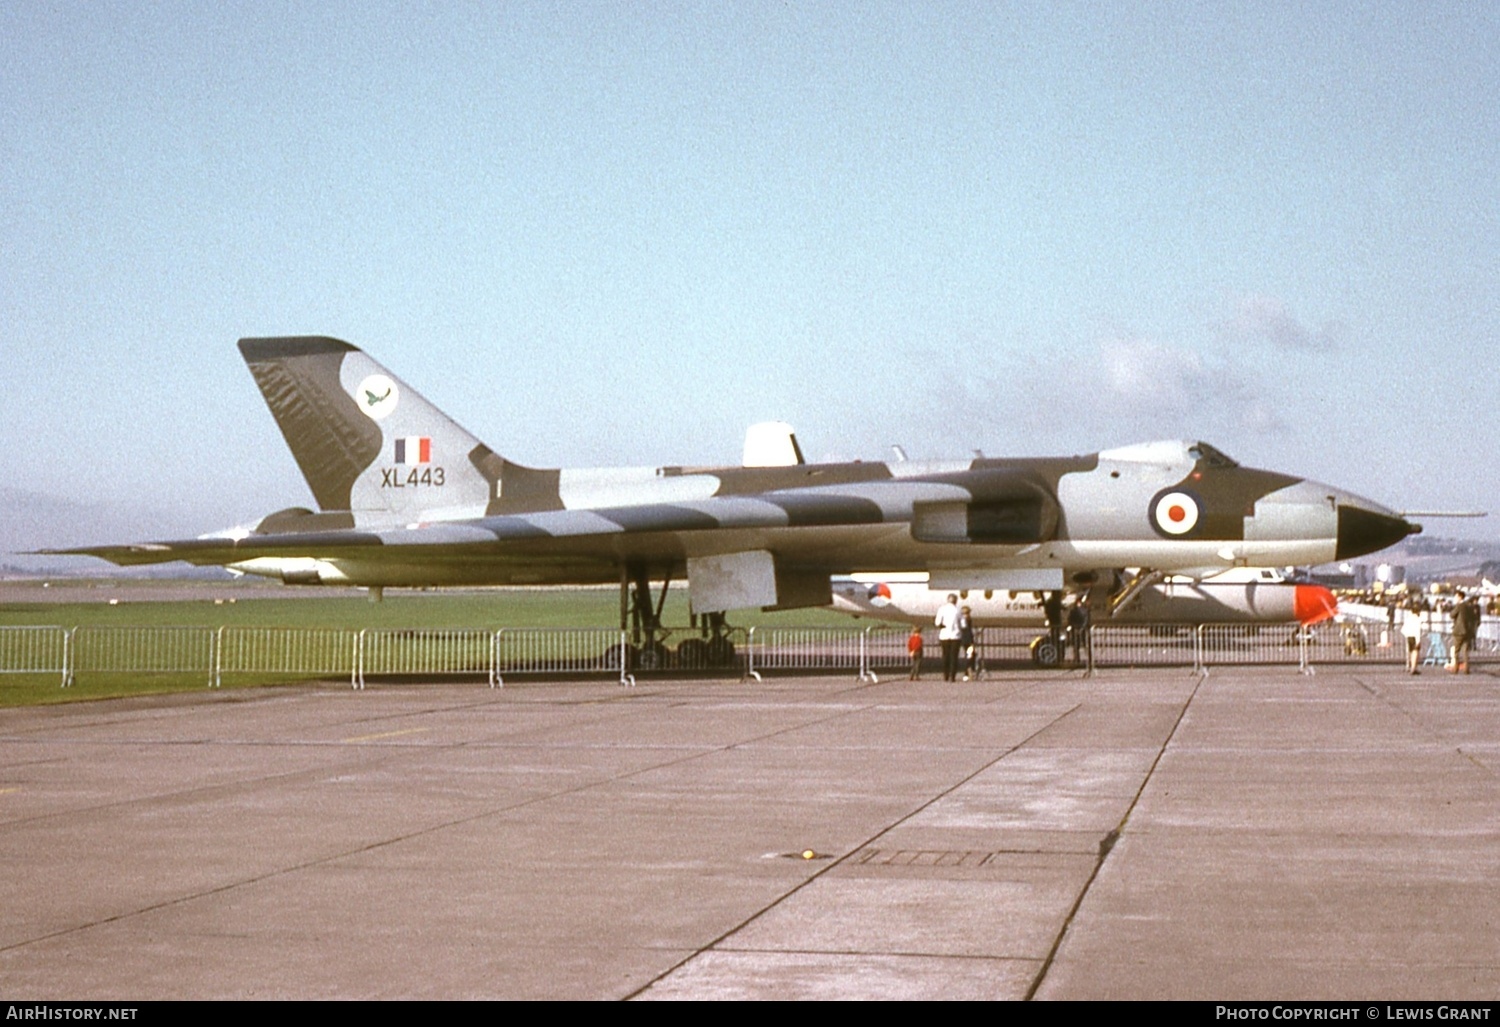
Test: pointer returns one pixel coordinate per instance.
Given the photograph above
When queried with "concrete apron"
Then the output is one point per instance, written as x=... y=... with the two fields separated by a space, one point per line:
x=1260 y=834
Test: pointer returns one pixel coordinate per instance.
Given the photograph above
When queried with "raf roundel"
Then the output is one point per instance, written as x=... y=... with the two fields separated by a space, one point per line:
x=1176 y=512
x=377 y=396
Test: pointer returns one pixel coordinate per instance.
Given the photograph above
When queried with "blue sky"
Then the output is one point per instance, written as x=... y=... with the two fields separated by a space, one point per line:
x=619 y=233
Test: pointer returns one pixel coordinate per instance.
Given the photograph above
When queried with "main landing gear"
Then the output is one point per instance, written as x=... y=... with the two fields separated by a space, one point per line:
x=648 y=648
x=1124 y=587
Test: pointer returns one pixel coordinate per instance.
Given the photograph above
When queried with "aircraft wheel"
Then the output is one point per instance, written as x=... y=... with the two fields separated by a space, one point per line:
x=720 y=652
x=693 y=654
x=631 y=654
x=652 y=657
x=1045 y=652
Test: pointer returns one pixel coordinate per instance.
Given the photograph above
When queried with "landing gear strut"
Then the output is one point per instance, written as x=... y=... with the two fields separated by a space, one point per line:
x=642 y=618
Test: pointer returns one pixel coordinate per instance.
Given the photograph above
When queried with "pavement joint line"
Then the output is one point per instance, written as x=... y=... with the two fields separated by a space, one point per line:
x=1438 y=874
x=1382 y=697
x=390 y=750
x=334 y=857
x=967 y=956
x=1107 y=845
x=416 y=744
x=840 y=861
x=1477 y=762
x=174 y=796
x=385 y=734
x=382 y=843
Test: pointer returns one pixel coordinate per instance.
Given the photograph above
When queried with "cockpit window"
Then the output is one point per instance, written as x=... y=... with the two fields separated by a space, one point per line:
x=1211 y=456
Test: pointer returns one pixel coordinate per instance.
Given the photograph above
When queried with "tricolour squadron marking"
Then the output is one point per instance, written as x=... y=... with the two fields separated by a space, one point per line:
x=413 y=449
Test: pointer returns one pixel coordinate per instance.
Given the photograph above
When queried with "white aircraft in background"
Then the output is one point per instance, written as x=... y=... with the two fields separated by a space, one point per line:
x=1242 y=595
x=1239 y=596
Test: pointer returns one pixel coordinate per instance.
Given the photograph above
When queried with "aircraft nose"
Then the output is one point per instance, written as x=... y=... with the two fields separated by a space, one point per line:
x=1367 y=528
x=1313 y=603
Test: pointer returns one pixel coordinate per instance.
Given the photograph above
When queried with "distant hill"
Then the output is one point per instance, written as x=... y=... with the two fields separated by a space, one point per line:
x=34 y=520
x=1427 y=558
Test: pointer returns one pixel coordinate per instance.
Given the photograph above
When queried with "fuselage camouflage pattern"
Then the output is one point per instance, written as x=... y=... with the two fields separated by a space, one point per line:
x=406 y=497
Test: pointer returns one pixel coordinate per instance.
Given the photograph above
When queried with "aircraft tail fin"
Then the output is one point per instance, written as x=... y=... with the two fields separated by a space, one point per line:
x=364 y=440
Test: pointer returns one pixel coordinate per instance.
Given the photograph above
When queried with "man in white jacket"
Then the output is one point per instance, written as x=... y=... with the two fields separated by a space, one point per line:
x=948 y=636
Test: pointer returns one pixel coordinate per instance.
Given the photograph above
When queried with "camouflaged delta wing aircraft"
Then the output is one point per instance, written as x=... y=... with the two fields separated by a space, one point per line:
x=406 y=497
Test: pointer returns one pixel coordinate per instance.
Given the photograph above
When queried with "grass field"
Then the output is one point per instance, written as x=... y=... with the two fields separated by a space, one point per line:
x=159 y=604
x=270 y=606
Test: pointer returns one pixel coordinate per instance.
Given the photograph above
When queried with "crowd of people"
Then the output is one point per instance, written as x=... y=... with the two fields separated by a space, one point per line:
x=957 y=641
x=1414 y=615
x=1456 y=617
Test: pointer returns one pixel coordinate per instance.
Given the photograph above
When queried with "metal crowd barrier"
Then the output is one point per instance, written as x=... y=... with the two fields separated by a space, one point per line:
x=293 y=652
x=1225 y=644
x=271 y=653
x=1008 y=645
x=1143 y=646
x=427 y=652
x=35 y=650
x=120 y=649
x=864 y=650
x=561 y=651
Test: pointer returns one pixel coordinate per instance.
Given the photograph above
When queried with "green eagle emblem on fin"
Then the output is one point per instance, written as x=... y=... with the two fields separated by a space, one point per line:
x=371 y=399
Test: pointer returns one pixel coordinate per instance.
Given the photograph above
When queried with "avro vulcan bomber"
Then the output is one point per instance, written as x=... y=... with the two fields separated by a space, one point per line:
x=408 y=498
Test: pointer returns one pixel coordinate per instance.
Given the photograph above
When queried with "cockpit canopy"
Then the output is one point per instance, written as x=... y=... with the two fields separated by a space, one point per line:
x=1211 y=456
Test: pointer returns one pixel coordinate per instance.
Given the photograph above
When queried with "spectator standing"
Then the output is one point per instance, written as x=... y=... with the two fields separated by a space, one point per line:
x=948 y=636
x=1411 y=630
x=966 y=645
x=1465 y=630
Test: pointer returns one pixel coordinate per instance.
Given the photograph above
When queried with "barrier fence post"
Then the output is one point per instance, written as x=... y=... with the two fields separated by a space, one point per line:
x=496 y=680
x=1200 y=661
x=67 y=660
x=1304 y=664
x=750 y=671
x=865 y=673
x=627 y=679
x=357 y=676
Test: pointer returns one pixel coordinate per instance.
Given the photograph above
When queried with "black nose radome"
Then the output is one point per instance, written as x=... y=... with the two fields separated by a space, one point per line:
x=1364 y=531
